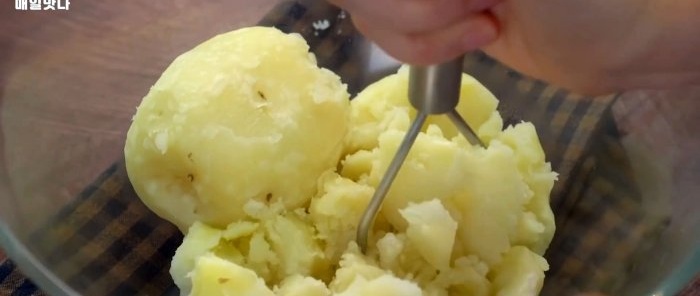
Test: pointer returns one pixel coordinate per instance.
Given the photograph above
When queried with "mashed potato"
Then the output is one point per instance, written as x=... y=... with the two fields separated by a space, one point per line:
x=280 y=180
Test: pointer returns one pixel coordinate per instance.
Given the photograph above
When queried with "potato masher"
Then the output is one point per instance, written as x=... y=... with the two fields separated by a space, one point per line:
x=432 y=90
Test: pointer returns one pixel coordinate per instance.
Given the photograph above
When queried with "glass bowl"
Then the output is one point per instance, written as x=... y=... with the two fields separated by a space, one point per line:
x=626 y=203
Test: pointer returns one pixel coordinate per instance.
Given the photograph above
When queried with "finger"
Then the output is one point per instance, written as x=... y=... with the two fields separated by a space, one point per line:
x=415 y=16
x=437 y=46
x=481 y=5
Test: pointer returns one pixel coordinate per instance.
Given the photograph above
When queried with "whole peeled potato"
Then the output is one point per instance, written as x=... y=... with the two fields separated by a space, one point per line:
x=245 y=115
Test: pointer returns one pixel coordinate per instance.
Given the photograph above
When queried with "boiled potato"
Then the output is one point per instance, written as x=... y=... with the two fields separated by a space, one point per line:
x=358 y=276
x=336 y=210
x=200 y=241
x=521 y=272
x=499 y=195
x=261 y=160
x=234 y=119
x=384 y=105
x=384 y=285
x=275 y=249
x=214 y=276
x=429 y=222
x=297 y=285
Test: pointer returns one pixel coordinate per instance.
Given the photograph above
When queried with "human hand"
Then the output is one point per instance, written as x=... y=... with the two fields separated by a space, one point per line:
x=591 y=47
x=424 y=31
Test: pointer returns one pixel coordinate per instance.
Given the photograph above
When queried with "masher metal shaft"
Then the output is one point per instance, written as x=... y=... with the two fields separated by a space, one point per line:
x=375 y=203
x=464 y=128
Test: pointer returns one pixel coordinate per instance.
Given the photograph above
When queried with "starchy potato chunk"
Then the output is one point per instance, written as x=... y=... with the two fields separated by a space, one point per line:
x=214 y=276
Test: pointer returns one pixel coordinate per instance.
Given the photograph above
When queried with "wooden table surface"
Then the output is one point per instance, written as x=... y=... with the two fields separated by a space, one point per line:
x=70 y=82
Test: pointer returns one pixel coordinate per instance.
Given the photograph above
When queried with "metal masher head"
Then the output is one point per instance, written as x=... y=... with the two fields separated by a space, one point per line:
x=432 y=90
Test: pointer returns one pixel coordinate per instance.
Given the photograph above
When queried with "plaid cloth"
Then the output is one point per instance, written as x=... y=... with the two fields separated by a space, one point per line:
x=13 y=282
x=108 y=243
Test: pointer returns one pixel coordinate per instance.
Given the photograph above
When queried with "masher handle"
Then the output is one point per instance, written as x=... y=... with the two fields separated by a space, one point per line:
x=435 y=89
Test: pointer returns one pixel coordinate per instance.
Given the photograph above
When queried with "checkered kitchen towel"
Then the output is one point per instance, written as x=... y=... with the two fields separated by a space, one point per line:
x=108 y=243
